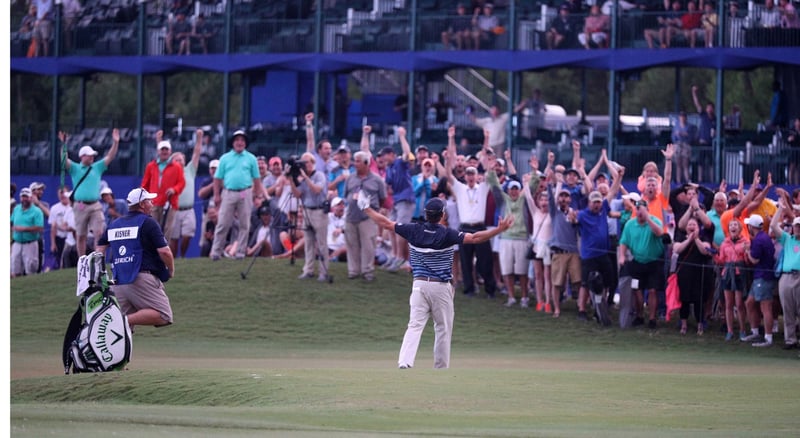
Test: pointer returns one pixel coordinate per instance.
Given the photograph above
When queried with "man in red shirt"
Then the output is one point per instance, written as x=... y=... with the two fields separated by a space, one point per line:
x=164 y=178
x=690 y=23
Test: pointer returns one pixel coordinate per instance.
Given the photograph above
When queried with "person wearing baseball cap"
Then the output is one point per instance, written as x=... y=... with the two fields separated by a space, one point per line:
x=164 y=177
x=789 y=268
x=472 y=199
x=236 y=181
x=513 y=242
x=431 y=247
x=112 y=208
x=398 y=178
x=424 y=183
x=27 y=226
x=141 y=262
x=761 y=254
x=184 y=225
x=342 y=170
x=337 y=245
x=86 y=182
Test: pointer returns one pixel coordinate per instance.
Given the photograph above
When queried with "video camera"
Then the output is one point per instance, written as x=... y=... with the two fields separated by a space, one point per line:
x=296 y=165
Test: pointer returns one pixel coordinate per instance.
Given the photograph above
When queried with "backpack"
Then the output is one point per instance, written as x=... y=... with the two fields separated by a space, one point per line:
x=98 y=337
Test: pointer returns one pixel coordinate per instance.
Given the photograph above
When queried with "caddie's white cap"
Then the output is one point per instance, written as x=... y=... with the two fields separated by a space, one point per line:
x=137 y=195
x=87 y=150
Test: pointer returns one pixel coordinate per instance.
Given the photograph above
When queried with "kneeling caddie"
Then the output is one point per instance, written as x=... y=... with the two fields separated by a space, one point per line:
x=141 y=262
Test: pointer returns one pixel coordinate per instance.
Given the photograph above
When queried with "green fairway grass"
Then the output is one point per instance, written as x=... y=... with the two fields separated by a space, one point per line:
x=275 y=356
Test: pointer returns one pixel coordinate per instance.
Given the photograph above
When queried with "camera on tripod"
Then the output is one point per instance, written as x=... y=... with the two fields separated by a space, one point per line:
x=296 y=166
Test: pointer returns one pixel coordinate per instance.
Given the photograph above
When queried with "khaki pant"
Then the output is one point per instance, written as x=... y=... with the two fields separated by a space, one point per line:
x=789 y=292
x=429 y=299
x=233 y=205
x=316 y=236
x=24 y=258
x=361 y=239
x=157 y=213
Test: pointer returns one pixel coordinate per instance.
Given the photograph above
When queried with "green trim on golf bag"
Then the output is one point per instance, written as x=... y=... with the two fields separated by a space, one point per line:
x=98 y=337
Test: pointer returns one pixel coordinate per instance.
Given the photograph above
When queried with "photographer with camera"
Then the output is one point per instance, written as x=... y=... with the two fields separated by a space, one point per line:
x=309 y=186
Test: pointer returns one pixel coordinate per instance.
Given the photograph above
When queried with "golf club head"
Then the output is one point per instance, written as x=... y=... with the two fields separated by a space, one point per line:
x=244 y=276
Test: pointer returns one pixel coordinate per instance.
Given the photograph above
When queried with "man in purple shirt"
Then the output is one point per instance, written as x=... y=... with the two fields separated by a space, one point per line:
x=761 y=254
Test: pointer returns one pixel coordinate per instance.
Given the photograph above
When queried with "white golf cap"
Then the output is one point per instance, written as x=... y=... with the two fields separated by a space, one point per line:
x=755 y=221
x=633 y=197
x=213 y=163
x=87 y=150
x=164 y=144
x=106 y=191
x=137 y=195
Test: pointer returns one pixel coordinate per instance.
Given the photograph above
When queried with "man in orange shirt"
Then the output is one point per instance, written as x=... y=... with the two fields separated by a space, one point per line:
x=165 y=178
x=750 y=204
x=658 y=202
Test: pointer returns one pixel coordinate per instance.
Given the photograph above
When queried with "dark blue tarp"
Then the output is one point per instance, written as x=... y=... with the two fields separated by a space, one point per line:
x=503 y=60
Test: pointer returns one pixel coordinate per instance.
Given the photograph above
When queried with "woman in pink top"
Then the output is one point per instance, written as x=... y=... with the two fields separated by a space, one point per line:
x=539 y=209
x=731 y=257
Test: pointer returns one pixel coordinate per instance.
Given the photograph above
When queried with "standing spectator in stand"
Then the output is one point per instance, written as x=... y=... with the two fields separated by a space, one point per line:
x=710 y=22
x=337 y=247
x=770 y=16
x=71 y=10
x=164 y=177
x=683 y=135
x=533 y=109
x=398 y=179
x=59 y=227
x=311 y=188
x=595 y=29
x=112 y=208
x=25 y=31
x=459 y=30
x=43 y=30
x=563 y=30
x=642 y=236
x=736 y=26
x=705 y=135
x=233 y=194
x=496 y=124
x=321 y=151
x=86 y=177
x=185 y=224
x=27 y=224
x=485 y=27
x=789 y=283
x=760 y=252
x=472 y=199
x=360 y=232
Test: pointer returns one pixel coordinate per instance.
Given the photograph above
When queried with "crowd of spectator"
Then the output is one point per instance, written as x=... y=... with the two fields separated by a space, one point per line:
x=577 y=232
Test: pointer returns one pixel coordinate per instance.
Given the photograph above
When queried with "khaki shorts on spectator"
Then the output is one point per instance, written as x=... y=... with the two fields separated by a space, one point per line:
x=89 y=217
x=403 y=211
x=513 y=257
x=762 y=289
x=565 y=263
x=683 y=150
x=184 y=224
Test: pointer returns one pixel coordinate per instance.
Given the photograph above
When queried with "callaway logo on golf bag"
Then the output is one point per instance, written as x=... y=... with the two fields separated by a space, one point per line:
x=98 y=337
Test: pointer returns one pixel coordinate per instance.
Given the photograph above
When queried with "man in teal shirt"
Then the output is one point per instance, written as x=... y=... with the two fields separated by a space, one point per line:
x=27 y=224
x=86 y=176
x=234 y=180
x=642 y=236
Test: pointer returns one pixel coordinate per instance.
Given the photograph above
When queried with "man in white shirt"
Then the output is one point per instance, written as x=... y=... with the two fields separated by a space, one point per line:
x=59 y=228
x=471 y=205
x=336 y=244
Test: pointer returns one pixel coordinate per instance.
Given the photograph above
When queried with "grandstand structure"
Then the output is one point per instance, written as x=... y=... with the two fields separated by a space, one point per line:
x=306 y=55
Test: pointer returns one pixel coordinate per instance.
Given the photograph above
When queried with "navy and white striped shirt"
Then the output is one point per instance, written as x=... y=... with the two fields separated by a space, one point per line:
x=431 y=248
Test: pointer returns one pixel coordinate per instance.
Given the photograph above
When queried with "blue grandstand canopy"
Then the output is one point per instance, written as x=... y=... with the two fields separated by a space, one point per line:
x=503 y=60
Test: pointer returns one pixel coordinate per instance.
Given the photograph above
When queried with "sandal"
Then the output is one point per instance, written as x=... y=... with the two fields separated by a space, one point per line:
x=556 y=314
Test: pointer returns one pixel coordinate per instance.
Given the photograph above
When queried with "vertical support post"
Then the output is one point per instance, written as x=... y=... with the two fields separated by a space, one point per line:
x=717 y=142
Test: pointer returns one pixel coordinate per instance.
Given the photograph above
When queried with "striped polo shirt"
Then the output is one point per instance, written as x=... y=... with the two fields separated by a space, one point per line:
x=431 y=248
